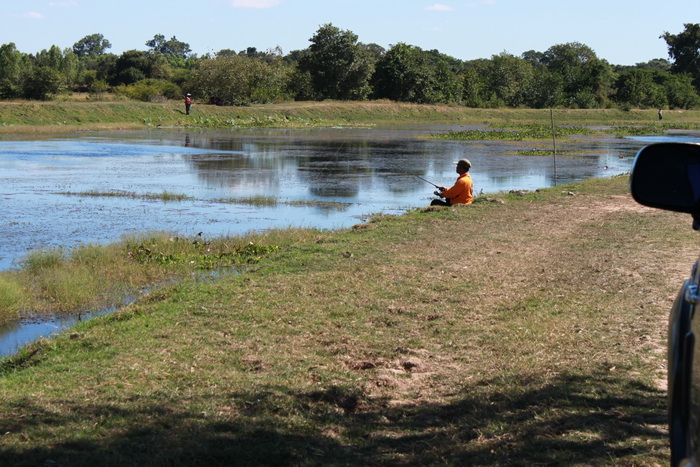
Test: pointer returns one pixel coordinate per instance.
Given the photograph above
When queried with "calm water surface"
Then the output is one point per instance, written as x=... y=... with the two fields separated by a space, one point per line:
x=367 y=171
x=362 y=171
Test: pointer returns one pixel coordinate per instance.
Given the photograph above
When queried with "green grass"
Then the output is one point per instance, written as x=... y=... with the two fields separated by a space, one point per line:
x=79 y=113
x=521 y=332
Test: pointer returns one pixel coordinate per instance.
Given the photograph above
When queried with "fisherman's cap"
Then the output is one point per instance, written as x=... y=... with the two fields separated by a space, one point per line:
x=464 y=163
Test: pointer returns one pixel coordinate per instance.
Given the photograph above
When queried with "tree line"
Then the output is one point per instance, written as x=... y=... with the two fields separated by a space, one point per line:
x=337 y=66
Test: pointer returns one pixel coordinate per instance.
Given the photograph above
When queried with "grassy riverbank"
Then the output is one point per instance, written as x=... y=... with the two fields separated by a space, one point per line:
x=527 y=331
x=74 y=114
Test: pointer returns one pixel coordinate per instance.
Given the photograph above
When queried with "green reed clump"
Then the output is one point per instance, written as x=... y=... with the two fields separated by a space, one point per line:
x=251 y=200
x=42 y=259
x=164 y=196
x=11 y=298
x=169 y=196
x=73 y=287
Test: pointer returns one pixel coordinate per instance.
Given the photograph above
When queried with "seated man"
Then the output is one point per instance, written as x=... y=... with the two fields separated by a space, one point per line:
x=461 y=192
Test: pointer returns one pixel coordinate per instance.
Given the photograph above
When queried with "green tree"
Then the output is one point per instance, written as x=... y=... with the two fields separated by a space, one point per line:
x=684 y=50
x=299 y=84
x=66 y=63
x=91 y=46
x=170 y=47
x=339 y=67
x=640 y=89
x=587 y=79
x=237 y=80
x=448 y=86
x=680 y=91
x=509 y=77
x=42 y=83
x=545 y=91
x=476 y=91
x=13 y=67
x=52 y=58
x=407 y=73
x=104 y=65
x=404 y=74
x=135 y=65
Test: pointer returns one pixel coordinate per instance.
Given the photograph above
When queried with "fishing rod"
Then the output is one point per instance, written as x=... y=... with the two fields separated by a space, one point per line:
x=427 y=181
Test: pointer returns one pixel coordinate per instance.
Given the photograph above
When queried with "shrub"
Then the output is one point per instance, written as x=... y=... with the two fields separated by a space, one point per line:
x=150 y=90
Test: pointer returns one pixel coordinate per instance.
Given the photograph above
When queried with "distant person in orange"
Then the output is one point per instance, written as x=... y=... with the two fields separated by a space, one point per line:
x=188 y=103
x=462 y=192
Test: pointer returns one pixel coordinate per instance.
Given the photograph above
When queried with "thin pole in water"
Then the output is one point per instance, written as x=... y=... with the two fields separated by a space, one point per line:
x=554 y=142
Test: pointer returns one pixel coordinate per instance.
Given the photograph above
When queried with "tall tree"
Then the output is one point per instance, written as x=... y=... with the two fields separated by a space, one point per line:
x=130 y=67
x=475 y=90
x=409 y=74
x=684 y=50
x=91 y=46
x=509 y=77
x=640 y=88
x=42 y=83
x=231 y=79
x=169 y=47
x=403 y=74
x=13 y=66
x=587 y=79
x=339 y=67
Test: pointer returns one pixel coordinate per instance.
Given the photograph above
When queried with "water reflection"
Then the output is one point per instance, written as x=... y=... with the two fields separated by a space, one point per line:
x=371 y=169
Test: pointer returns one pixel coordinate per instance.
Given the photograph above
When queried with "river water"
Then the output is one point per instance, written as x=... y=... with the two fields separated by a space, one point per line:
x=325 y=178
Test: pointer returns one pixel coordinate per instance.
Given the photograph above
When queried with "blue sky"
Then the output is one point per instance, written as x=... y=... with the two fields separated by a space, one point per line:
x=623 y=32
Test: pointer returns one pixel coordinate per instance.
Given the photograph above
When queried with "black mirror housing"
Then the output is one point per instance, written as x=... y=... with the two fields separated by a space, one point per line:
x=667 y=176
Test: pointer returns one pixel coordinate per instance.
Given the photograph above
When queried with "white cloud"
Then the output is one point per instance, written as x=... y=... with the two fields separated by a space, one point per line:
x=257 y=4
x=439 y=7
x=32 y=15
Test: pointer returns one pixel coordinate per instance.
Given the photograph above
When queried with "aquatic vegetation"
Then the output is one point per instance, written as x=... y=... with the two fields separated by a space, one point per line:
x=542 y=152
x=164 y=196
x=198 y=254
x=320 y=204
x=514 y=133
x=641 y=130
x=536 y=152
x=255 y=121
x=252 y=200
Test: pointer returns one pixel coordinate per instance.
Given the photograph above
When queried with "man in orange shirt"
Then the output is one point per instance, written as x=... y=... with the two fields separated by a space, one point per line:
x=461 y=192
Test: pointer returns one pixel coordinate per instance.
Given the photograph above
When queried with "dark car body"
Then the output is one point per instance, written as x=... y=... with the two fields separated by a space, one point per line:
x=667 y=176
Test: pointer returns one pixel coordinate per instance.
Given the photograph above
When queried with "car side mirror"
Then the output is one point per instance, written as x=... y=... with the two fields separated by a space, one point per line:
x=667 y=176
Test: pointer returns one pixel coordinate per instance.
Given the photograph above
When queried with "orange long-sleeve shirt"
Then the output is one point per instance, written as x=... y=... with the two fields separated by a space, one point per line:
x=461 y=191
